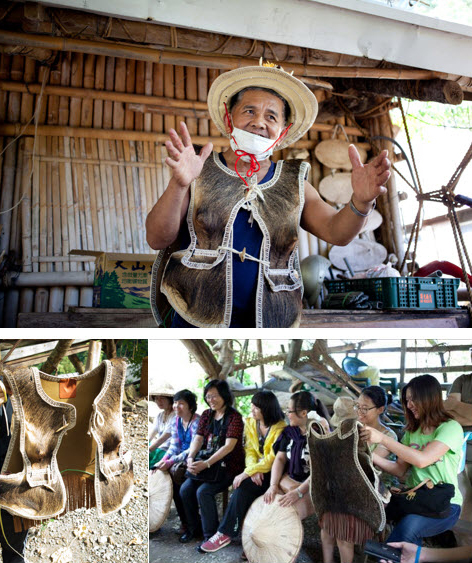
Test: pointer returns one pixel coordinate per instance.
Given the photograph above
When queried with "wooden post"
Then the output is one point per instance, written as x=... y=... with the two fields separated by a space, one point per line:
x=260 y=355
x=402 y=361
x=94 y=353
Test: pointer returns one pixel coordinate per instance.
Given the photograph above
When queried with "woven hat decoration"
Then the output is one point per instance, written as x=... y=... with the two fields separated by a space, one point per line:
x=301 y=100
x=163 y=389
x=160 y=498
x=271 y=533
x=343 y=408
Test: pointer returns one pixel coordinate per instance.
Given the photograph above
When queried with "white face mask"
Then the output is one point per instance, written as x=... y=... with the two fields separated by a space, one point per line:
x=253 y=144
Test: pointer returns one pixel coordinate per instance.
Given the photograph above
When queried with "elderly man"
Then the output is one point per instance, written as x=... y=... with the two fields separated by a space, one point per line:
x=233 y=218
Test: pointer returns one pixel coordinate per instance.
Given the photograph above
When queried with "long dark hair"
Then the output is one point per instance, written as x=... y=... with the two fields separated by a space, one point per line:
x=189 y=397
x=223 y=391
x=426 y=393
x=269 y=405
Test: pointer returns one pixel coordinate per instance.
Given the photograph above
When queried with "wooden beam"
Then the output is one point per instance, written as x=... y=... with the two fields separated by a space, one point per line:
x=15 y=129
x=446 y=348
x=176 y=57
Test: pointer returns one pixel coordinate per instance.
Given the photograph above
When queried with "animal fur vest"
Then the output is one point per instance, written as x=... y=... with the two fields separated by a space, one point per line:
x=65 y=430
x=198 y=281
x=344 y=481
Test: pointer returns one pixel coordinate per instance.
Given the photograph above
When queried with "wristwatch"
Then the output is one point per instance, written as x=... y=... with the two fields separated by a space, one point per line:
x=300 y=494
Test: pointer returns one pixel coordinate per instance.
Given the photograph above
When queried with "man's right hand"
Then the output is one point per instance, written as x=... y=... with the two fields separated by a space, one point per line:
x=185 y=164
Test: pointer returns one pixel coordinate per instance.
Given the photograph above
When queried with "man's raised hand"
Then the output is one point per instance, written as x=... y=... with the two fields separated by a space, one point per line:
x=185 y=164
x=368 y=179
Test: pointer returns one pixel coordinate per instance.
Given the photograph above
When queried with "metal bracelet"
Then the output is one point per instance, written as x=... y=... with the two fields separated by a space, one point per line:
x=357 y=212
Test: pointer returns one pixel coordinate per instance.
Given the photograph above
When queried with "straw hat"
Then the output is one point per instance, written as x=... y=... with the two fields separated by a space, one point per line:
x=361 y=254
x=334 y=154
x=163 y=389
x=160 y=498
x=343 y=408
x=271 y=533
x=336 y=187
x=302 y=102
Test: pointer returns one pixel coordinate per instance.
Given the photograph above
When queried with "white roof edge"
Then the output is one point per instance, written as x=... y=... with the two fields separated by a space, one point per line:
x=351 y=27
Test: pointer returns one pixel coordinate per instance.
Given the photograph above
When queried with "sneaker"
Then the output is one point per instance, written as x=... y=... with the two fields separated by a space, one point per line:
x=215 y=543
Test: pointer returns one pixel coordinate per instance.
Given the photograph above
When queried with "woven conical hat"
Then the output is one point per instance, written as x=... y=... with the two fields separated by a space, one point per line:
x=337 y=187
x=271 y=533
x=373 y=222
x=160 y=498
x=361 y=254
x=333 y=153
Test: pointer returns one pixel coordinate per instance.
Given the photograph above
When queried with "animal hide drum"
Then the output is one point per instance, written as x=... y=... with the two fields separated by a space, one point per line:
x=345 y=487
x=66 y=449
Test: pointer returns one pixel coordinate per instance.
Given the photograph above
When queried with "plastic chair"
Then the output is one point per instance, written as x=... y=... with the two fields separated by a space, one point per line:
x=389 y=384
x=361 y=381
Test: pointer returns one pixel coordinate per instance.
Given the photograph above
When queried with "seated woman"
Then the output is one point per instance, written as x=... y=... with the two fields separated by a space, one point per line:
x=183 y=431
x=260 y=432
x=290 y=475
x=219 y=436
x=431 y=448
x=370 y=407
x=162 y=427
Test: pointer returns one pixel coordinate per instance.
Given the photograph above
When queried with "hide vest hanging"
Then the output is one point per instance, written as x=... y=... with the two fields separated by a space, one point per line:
x=344 y=485
x=66 y=449
x=198 y=281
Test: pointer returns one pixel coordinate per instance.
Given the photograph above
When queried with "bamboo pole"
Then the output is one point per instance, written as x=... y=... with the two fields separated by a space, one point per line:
x=71 y=297
x=86 y=297
x=107 y=204
x=56 y=299
x=86 y=116
x=7 y=193
x=78 y=200
x=110 y=209
x=158 y=92
x=212 y=75
x=169 y=120
x=76 y=80
x=121 y=210
x=62 y=189
x=202 y=91
x=147 y=177
x=139 y=89
x=56 y=204
x=99 y=84
x=88 y=225
x=47 y=279
x=130 y=87
x=65 y=81
x=179 y=91
x=69 y=194
x=26 y=209
x=11 y=129
x=108 y=105
x=120 y=86
x=137 y=196
x=126 y=155
x=225 y=62
x=148 y=92
x=142 y=209
x=99 y=207
x=42 y=200
x=4 y=76
x=27 y=99
x=26 y=300
x=15 y=243
x=117 y=152
x=41 y=298
x=191 y=93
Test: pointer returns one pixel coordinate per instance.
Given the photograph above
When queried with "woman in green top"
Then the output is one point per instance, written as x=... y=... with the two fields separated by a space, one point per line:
x=431 y=448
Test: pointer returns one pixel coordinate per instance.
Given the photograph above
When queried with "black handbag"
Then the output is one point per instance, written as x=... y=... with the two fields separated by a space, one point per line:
x=178 y=472
x=426 y=499
x=215 y=472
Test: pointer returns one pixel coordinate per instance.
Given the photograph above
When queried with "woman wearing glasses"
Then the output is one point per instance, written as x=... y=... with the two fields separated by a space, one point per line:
x=431 y=448
x=290 y=475
x=260 y=432
x=217 y=444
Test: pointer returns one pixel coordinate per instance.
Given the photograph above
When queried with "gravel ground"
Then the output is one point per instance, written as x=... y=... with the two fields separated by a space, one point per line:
x=164 y=546
x=81 y=537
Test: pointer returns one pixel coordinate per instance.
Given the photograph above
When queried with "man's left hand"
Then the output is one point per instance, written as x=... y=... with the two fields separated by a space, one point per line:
x=368 y=180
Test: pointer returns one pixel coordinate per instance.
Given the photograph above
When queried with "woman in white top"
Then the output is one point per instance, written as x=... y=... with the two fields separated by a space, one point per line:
x=159 y=438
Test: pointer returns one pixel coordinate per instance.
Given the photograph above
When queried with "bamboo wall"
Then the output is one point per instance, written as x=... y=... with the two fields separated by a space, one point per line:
x=93 y=190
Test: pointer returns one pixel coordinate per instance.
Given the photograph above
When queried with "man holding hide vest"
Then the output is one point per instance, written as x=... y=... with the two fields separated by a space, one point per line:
x=228 y=223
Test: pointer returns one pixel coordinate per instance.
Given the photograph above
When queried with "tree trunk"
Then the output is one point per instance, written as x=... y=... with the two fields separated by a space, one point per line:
x=436 y=90
x=204 y=357
x=56 y=356
x=110 y=348
x=79 y=366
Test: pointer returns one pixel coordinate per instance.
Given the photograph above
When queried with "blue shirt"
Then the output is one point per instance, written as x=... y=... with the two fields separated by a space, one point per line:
x=245 y=235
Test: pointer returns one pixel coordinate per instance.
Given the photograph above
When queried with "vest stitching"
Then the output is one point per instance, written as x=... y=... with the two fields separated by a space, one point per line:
x=155 y=269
